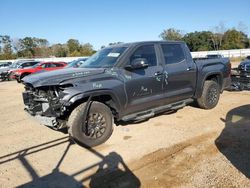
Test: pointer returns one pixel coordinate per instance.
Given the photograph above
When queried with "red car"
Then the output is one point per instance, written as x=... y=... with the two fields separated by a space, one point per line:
x=19 y=74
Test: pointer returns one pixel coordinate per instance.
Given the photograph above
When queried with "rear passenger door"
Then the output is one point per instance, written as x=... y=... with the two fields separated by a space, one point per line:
x=180 y=75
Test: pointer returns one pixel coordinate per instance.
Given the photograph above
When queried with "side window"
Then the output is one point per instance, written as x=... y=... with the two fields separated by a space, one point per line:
x=44 y=65
x=51 y=65
x=57 y=65
x=147 y=52
x=33 y=63
x=28 y=64
x=25 y=65
x=173 y=53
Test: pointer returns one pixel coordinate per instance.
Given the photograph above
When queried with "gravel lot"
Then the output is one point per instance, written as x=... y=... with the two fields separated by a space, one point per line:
x=189 y=148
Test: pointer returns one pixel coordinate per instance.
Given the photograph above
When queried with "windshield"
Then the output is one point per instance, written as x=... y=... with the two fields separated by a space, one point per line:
x=14 y=65
x=105 y=58
x=36 y=65
x=76 y=63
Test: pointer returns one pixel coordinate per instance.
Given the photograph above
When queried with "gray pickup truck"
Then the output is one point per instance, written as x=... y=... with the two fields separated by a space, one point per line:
x=132 y=81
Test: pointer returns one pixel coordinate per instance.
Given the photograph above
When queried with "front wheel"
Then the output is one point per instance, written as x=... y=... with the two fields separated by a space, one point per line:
x=9 y=77
x=98 y=126
x=210 y=95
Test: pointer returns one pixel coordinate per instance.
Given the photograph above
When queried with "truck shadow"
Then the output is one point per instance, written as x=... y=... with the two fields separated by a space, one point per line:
x=111 y=170
x=234 y=140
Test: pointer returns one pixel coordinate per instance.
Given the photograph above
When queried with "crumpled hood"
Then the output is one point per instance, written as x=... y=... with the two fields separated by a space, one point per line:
x=58 y=76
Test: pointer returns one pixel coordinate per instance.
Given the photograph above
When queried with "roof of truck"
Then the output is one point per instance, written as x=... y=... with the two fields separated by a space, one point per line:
x=144 y=42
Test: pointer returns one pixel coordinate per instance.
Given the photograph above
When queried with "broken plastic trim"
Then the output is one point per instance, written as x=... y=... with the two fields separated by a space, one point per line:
x=86 y=112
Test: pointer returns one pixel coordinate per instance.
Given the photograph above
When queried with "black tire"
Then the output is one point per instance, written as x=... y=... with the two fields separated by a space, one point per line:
x=210 y=95
x=19 y=80
x=104 y=127
x=9 y=77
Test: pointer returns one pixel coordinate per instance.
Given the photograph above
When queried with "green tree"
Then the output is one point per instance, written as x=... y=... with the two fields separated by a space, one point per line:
x=86 y=49
x=171 y=34
x=73 y=46
x=59 y=50
x=233 y=39
x=28 y=45
x=199 y=41
x=41 y=49
x=6 y=49
x=33 y=47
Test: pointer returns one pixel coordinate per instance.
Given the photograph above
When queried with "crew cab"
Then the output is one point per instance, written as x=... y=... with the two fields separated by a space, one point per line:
x=126 y=82
x=19 y=74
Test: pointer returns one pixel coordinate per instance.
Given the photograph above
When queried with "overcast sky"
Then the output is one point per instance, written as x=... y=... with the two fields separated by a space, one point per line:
x=102 y=22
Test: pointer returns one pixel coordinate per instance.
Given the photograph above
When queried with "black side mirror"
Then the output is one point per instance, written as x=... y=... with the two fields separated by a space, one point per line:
x=138 y=63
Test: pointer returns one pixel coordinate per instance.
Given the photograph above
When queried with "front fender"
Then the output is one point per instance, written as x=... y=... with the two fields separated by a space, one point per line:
x=117 y=103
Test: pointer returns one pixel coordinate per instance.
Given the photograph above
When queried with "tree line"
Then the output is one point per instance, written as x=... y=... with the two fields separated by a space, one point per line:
x=218 y=38
x=32 y=47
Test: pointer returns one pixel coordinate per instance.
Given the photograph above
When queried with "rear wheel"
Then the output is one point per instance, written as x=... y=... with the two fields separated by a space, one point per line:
x=98 y=126
x=210 y=95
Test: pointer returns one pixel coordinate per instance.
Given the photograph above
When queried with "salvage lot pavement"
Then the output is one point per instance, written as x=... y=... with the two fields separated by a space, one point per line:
x=189 y=148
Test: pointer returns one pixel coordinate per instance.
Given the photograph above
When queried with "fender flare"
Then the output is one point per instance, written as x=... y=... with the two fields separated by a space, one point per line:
x=201 y=85
x=96 y=93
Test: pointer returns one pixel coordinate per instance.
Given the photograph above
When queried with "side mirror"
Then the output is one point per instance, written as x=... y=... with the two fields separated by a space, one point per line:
x=138 y=63
x=39 y=67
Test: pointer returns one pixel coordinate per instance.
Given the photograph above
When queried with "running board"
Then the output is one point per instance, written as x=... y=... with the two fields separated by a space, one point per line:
x=151 y=113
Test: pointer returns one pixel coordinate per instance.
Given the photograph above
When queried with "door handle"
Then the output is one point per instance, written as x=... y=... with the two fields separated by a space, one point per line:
x=190 y=68
x=158 y=73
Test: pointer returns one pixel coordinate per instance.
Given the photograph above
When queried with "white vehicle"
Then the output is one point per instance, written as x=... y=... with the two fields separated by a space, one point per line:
x=5 y=64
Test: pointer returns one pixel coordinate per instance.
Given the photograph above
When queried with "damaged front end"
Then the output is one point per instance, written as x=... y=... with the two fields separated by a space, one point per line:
x=45 y=104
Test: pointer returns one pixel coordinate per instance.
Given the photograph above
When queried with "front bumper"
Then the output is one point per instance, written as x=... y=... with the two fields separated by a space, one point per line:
x=43 y=108
x=43 y=120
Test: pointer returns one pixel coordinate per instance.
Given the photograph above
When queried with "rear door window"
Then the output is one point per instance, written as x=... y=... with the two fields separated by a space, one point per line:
x=173 y=53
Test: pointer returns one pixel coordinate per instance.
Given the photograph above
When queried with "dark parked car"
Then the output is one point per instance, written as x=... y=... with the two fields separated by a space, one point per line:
x=241 y=76
x=126 y=82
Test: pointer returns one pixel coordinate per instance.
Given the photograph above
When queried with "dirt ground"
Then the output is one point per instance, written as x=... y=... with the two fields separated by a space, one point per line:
x=189 y=148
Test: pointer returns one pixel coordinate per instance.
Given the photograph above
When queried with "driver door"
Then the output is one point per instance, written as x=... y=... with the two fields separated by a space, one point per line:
x=144 y=85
